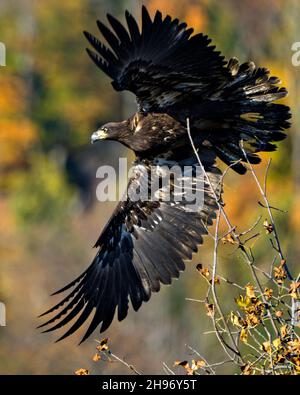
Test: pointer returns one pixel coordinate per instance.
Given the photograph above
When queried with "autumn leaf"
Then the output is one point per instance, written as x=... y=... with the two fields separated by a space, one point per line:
x=246 y=370
x=268 y=292
x=204 y=271
x=266 y=346
x=252 y=320
x=235 y=320
x=283 y=331
x=217 y=281
x=96 y=357
x=294 y=346
x=201 y=364
x=250 y=291
x=194 y=365
x=244 y=335
x=209 y=309
x=268 y=227
x=103 y=346
x=228 y=239
x=242 y=301
x=277 y=343
x=279 y=358
x=81 y=372
x=280 y=274
x=190 y=369
x=294 y=289
x=296 y=363
x=279 y=314
x=184 y=364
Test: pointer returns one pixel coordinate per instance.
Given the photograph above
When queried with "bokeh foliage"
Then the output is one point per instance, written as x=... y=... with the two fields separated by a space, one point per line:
x=52 y=98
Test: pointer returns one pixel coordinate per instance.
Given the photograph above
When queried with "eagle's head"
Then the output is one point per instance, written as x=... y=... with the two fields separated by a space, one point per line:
x=142 y=132
x=118 y=131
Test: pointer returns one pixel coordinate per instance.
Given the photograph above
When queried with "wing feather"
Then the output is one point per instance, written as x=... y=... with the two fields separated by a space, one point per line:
x=143 y=62
x=136 y=254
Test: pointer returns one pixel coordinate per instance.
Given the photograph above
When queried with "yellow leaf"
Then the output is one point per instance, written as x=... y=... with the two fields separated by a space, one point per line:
x=201 y=364
x=229 y=239
x=244 y=335
x=283 y=331
x=277 y=343
x=266 y=346
x=280 y=274
x=250 y=291
x=242 y=301
x=294 y=289
x=235 y=319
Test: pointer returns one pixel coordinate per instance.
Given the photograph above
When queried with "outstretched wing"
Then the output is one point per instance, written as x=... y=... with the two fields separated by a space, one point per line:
x=143 y=245
x=161 y=64
x=172 y=71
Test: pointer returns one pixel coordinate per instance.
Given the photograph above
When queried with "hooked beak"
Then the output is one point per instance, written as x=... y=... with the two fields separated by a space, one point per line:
x=98 y=135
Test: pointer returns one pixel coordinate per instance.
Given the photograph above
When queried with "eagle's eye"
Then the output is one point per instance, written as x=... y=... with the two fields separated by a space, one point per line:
x=105 y=130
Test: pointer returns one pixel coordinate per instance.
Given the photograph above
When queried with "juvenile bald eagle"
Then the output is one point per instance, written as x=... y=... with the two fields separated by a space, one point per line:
x=175 y=75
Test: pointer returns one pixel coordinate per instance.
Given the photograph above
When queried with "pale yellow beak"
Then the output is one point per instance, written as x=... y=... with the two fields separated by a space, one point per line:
x=98 y=135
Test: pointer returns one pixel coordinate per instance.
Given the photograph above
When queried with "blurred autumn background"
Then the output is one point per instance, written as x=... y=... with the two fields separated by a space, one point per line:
x=52 y=97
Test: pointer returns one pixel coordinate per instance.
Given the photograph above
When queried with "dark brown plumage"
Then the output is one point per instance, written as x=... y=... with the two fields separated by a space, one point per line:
x=175 y=75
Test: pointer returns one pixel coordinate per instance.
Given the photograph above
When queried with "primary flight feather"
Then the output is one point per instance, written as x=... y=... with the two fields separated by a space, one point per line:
x=174 y=75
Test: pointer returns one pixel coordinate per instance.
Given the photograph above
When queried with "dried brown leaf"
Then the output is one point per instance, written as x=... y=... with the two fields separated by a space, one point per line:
x=209 y=309
x=81 y=372
x=103 y=345
x=96 y=357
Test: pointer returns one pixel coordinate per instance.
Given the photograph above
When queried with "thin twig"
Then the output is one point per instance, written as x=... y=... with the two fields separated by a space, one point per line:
x=249 y=259
x=168 y=370
x=131 y=367
x=195 y=300
x=252 y=226
x=267 y=204
x=221 y=327
x=230 y=282
x=213 y=284
x=273 y=208
x=200 y=356
x=217 y=199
